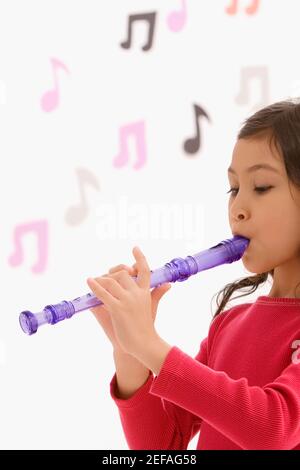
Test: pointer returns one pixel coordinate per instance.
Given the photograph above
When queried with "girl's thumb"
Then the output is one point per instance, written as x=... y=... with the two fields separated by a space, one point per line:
x=158 y=292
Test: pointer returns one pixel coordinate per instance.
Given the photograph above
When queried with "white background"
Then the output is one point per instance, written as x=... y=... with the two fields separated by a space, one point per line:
x=54 y=386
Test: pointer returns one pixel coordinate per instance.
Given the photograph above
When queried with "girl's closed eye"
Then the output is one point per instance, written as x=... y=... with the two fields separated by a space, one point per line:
x=260 y=190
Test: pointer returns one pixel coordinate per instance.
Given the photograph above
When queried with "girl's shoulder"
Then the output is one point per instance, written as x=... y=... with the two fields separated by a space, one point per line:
x=222 y=320
x=227 y=315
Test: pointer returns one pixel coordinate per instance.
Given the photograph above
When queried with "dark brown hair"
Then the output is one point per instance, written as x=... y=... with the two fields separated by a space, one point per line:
x=280 y=124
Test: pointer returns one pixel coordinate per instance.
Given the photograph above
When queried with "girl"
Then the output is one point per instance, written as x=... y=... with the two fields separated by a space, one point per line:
x=242 y=389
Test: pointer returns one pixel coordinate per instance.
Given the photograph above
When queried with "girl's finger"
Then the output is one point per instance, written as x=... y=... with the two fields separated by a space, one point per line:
x=121 y=267
x=103 y=292
x=144 y=273
x=112 y=286
x=124 y=279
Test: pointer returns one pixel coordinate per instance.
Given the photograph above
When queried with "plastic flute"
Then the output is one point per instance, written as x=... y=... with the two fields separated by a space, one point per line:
x=178 y=269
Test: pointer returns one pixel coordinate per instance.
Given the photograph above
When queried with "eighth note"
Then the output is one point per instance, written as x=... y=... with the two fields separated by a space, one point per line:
x=137 y=130
x=150 y=18
x=76 y=214
x=250 y=10
x=193 y=144
x=50 y=98
x=177 y=19
x=40 y=228
x=247 y=75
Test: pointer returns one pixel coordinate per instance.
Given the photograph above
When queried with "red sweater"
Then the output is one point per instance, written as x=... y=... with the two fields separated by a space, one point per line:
x=241 y=391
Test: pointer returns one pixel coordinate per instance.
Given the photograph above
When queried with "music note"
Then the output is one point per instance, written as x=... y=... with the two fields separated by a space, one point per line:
x=150 y=18
x=40 y=228
x=193 y=144
x=253 y=7
x=232 y=9
x=247 y=75
x=76 y=214
x=137 y=131
x=50 y=98
x=250 y=10
x=177 y=19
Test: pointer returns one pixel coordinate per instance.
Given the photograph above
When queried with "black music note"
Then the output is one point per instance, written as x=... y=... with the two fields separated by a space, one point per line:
x=150 y=18
x=193 y=144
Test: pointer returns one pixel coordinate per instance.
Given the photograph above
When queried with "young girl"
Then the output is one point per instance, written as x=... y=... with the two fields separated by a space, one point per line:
x=242 y=389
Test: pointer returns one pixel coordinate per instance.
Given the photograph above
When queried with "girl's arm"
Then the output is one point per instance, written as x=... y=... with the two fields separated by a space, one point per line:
x=253 y=417
x=148 y=421
x=130 y=374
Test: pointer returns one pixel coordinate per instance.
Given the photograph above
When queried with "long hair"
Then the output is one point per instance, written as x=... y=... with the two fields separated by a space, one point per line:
x=280 y=124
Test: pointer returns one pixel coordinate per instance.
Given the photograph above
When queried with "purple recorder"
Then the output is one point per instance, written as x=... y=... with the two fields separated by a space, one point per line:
x=179 y=269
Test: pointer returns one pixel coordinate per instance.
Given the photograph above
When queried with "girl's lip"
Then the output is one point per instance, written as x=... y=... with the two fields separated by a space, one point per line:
x=235 y=234
x=247 y=246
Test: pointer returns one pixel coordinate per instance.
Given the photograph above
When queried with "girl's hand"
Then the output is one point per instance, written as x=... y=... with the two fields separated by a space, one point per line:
x=102 y=314
x=129 y=307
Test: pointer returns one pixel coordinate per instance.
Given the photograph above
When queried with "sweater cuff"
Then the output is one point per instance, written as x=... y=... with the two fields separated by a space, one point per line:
x=162 y=383
x=136 y=398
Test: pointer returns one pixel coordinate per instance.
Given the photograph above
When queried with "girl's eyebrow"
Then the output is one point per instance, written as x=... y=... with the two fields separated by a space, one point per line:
x=256 y=167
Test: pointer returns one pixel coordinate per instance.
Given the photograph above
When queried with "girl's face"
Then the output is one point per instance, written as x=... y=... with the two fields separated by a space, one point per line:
x=262 y=208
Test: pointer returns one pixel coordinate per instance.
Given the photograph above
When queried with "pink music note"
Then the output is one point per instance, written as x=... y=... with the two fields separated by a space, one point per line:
x=40 y=228
x=76 y=214
x=250 y=10
x=50 y=98
x=137 y=131
x=177 y=19
x=232 y=9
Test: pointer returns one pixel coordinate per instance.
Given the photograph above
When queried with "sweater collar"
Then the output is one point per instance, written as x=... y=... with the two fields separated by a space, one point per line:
x=278 y=300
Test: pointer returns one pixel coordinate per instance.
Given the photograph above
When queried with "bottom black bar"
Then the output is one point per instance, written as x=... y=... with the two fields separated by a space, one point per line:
x=140 y=458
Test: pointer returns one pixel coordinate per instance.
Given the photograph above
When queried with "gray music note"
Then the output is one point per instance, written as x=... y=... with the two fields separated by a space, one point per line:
x=76 y=214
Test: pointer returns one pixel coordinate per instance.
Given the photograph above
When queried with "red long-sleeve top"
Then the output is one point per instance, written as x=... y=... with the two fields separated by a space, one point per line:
x=241 y=391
